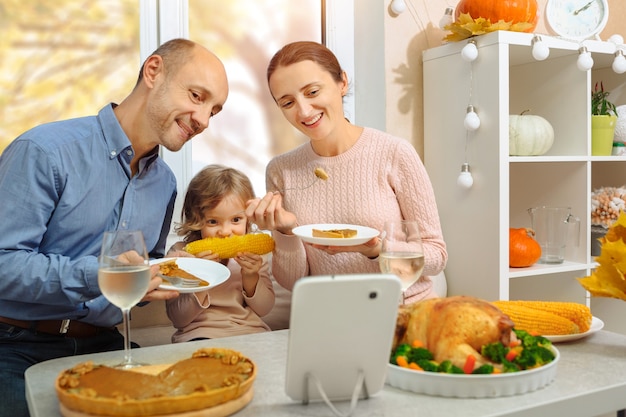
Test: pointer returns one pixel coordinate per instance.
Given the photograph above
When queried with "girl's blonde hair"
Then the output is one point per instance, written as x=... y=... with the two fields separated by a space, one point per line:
x=205 y=191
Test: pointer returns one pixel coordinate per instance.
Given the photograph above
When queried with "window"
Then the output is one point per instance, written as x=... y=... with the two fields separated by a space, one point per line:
x=245 y=34
x=64 y=59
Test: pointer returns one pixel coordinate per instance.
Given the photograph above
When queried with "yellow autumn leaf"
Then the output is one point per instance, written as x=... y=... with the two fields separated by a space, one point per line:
x=617 y=230
x=500 y=25
x=458 y=36
x=465 y=27
x=608 y=279
x=464 y=18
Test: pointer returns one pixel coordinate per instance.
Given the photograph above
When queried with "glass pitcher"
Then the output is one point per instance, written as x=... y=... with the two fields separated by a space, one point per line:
x=555 y=228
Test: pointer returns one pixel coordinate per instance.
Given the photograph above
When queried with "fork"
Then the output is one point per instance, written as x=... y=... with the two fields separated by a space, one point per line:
x=295 y=188
x=183 y=282
x=319 y=173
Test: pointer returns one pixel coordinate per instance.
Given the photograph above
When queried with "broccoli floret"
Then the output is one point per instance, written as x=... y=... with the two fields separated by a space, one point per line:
x=420 y=353
x=412 y=354
x=427 y=365
x=448 y=368
x=544 y=355
x=508 y=366
x=536 y=350
x=495 y=352
x=529 y=340
x=401 y=350
x=484 y=369
x=542 y=341
x=526 y=359
x=534 y=356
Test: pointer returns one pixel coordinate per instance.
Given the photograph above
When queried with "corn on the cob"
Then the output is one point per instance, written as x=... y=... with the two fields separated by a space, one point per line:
x=536 y=321
x=576 y=312
x=259 y=243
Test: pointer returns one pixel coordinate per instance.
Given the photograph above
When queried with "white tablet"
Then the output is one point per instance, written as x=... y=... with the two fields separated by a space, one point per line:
x=341 y=329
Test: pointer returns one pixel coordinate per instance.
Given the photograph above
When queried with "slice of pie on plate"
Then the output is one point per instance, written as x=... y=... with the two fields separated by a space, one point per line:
x=171 y=269
x=335 y=233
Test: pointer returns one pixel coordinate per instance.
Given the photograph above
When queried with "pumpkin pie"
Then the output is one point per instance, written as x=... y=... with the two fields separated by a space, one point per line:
x=212 y=377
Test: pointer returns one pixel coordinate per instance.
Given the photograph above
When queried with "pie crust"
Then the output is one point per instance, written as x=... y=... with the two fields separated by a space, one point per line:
x=212 y=376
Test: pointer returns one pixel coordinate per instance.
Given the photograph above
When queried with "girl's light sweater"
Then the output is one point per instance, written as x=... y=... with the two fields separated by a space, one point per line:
x=223 y=310
x=379 y=178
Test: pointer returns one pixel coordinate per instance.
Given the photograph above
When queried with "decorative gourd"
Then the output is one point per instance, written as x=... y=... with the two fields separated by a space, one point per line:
x=529 y=135
x=512 y=11
x=523 y=249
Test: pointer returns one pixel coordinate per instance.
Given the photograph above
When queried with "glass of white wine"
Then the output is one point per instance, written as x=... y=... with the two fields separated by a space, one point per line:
x=402 y=253
x=124 y=277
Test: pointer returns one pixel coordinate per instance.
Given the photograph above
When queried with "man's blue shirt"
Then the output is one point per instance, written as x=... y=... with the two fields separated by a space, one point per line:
x=62 y=185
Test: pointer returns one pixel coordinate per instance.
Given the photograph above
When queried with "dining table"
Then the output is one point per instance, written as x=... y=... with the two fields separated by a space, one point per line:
x=590 y=380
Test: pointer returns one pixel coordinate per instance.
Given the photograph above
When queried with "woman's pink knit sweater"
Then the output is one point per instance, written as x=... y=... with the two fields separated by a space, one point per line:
x=380 y=178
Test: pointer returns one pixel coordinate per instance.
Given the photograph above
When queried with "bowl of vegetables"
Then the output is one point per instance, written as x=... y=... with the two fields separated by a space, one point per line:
x=514 y=370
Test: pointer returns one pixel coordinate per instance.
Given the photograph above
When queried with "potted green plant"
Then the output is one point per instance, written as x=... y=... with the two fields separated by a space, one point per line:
x=603 y=119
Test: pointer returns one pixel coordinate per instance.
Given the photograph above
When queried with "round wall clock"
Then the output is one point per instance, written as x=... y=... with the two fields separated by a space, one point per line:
x=577 y=19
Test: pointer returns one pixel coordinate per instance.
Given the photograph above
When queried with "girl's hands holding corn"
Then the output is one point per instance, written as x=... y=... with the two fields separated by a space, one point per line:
x=177 y=251
x=268 y=214
x=208 y=255
x=250 y=263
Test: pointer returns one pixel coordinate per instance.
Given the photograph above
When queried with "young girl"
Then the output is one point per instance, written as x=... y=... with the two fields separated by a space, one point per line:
x=215 y=207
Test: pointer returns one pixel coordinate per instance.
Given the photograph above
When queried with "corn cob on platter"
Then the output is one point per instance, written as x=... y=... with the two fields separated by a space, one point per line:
x=556 y=320
x=228 y=247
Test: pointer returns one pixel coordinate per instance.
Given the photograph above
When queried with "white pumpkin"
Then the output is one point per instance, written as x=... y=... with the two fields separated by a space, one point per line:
x=529 y=135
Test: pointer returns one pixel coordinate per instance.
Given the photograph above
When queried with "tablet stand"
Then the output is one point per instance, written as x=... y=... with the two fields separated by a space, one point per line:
x=359 y=386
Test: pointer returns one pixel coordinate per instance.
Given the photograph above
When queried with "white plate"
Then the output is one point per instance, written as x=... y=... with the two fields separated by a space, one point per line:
x=363 y=234
x=472 y=386
x=212 y=272
x=596 y=324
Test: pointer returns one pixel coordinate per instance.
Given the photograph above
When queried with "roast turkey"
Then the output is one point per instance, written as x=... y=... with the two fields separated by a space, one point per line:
x=452 y=328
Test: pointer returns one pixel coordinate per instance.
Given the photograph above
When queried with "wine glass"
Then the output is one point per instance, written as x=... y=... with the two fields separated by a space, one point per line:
x=402 y=253
x=124 y=277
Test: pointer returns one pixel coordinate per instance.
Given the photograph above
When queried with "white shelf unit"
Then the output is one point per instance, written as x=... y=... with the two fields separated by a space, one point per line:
x=505 y=79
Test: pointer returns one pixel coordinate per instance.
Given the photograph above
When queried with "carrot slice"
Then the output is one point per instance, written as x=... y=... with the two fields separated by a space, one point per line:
x=415 y=367
x=417 y=343
x=402 y=361
x=512 y=353
x=470 y=362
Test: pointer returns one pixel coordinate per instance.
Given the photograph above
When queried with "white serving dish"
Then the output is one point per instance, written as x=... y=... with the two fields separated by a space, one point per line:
x=472 y=386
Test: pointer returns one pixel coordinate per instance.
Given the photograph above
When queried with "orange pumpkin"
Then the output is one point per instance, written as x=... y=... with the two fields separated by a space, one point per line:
x=510 y=11
x=523 y=249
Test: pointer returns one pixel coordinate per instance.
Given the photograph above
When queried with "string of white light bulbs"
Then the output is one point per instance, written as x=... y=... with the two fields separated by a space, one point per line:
x=469 y=53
